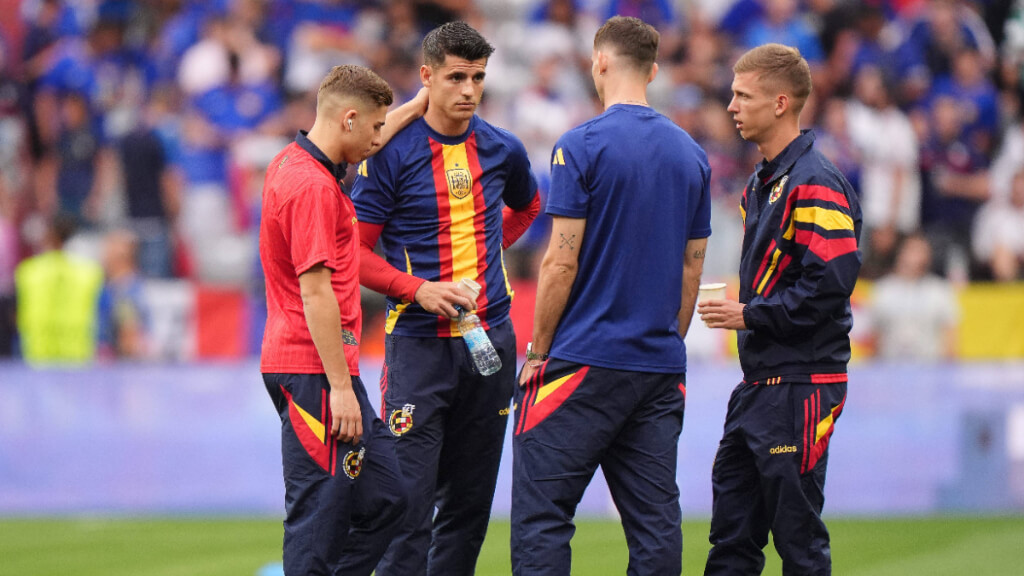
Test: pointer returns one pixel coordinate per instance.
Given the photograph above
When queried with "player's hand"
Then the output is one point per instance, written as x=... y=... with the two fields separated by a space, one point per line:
x=346 y=417
x=441 y=298
x=727 y=314
x=526 y=373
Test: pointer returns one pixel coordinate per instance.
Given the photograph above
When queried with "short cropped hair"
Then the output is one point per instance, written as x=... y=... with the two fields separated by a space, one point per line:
x=356 y=82
x=631 y=38
x=456 y=38
x=780 y=68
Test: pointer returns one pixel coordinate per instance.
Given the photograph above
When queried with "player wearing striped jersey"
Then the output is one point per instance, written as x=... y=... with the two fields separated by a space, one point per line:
x=444 y=197
x=799 y=265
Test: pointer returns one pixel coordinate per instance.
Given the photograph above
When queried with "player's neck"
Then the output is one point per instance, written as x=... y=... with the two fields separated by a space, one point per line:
x=625 y=94
x=778 y=140
x=318 y=136
x=447 y=126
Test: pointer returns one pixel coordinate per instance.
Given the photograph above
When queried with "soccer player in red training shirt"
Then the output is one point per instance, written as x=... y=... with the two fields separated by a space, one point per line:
x=444 y=197
x=343 y=493
x=798 y=268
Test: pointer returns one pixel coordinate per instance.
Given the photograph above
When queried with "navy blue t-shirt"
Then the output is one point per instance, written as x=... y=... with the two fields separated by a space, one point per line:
x=642 y=184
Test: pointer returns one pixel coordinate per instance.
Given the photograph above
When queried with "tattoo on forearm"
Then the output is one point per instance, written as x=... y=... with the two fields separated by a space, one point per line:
x=567 y=242
x=699 y=254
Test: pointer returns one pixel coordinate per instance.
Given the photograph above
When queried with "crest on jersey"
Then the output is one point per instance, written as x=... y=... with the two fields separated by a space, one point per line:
x=353 y=463
x=460 y=182
x=400 y=421
x=777 y=189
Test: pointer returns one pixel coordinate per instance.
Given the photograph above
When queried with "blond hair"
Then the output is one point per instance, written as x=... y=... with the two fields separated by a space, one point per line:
x=358 y=82
x=779 y=69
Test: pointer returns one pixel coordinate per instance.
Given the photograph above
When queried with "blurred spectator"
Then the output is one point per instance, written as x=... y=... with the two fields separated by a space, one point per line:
x=954 y=185
x=875 y=40
x=969 y=85
x=324 y=34
x=890 y=181
x=152 y=193
x=57 y=295
x=1008 y=160
x=782 y=22
x=83 y=164
x=935 y=37
x=543 y=111
x=13 y=129
x=914 y=313
x=209 y=63
x=834 y=139
x=657 y=13
x=8 y=261
x=999 y=234
x=123 y=318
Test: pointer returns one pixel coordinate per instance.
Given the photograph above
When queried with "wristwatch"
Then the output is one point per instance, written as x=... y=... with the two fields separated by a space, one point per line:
x=533 y=358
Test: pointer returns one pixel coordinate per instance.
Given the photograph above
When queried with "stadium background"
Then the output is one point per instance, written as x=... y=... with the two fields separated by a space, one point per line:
x=177 y=422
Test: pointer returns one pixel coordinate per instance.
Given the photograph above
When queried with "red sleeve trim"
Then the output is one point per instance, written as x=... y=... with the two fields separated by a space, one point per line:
x=376 y=274
x=515 y=222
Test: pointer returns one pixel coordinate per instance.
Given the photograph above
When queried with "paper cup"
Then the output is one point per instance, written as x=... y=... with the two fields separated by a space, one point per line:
x=714 y=291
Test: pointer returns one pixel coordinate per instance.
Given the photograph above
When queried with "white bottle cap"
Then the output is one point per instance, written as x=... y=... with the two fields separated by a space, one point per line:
x=470 y=286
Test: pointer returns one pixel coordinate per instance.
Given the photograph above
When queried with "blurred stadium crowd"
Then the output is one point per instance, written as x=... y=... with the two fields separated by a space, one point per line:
x=138 y=131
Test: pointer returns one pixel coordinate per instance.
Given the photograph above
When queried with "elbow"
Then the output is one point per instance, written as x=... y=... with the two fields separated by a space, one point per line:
x=560 y=269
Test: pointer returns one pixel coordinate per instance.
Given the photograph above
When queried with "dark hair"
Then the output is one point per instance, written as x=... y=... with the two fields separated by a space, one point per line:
x=779 y=67
x=455 y=38
x=357 y=82
x=631 y=38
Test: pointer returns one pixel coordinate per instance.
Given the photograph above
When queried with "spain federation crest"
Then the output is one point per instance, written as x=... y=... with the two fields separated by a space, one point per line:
x=400 y=421
x=460 y=182
x=777 y=189
x=353 y=463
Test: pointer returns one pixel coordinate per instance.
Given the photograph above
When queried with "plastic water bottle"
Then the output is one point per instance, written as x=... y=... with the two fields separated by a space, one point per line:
x=485 y=357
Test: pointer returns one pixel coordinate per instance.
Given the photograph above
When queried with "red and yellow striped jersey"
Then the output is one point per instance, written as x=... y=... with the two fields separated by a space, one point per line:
x=439 y=199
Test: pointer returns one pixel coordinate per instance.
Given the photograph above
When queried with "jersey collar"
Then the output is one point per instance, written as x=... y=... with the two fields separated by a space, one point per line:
x=781 y=164
x=336 y=170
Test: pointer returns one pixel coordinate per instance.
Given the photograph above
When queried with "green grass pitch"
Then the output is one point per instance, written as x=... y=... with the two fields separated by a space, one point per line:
x=933 y=546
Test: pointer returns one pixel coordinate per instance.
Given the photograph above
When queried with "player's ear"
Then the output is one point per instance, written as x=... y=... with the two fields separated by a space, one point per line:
x=426 y=75
x=781 y=104
x=348 y=120
x=653 y=74
x=602 y=62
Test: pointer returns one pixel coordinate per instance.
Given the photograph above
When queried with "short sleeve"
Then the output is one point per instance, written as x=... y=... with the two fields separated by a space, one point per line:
x=373 y=192
x=700 y=226
x=568 y=196
x=309 y=220
x=521 y=185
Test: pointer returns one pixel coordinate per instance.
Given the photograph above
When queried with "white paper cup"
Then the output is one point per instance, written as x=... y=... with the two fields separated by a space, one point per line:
x=715 y=291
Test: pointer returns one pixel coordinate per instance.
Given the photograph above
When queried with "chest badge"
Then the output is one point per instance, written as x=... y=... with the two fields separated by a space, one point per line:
x=777 y=189
x=460 y=182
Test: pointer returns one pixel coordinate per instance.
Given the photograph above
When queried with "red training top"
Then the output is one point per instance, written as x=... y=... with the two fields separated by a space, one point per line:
x=307 y=220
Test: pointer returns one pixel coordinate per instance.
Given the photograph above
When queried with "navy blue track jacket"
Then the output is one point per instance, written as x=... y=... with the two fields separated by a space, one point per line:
x=802 y=224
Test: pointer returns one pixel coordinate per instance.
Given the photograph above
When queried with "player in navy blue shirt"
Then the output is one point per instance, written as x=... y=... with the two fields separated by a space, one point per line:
x=798 y=268
x=604 y=381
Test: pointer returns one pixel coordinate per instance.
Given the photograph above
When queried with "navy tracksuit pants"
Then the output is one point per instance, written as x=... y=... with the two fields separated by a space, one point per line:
x=343 y=502
x=769 y=475
x=450 y=425
x=573 y=418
